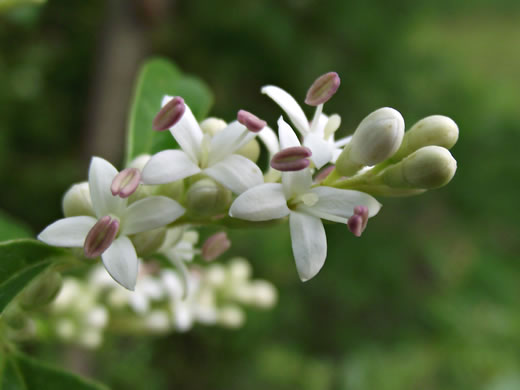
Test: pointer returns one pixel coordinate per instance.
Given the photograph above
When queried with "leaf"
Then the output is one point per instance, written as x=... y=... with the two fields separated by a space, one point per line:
x=11 y=228
x=24 y=373
x=20 y=262
x=159 y=77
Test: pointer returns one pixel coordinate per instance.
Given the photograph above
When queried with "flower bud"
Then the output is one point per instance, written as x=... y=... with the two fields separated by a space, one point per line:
x=264 y=294
x=41 y=291
x=323 y=88
x=290 y=159
x=251 y=150
x=173 y=190
x=206 y=197
x=147 y=243
x=426 y=168
x=433 y=130
x=126 y=182
x=212 y=126
x=215 y=246
x=376 y=139
x=251 y=121
x=239 y=269
x=170 y=114
x=76 y=201
x=101 y=236
x=231 y=316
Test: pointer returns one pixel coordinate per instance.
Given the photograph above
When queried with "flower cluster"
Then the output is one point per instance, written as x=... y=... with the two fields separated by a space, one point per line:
x=213 y=179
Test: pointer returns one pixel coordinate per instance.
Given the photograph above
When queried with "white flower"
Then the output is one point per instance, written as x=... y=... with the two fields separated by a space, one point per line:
x=110 y=239
x=318 y=135
x=214 y=156
x=306 y=206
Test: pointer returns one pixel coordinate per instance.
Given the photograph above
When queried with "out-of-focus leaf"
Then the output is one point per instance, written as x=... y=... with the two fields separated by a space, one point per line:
x=159 y=77
x=11 y=228
x=20 y=262
x=9 y=4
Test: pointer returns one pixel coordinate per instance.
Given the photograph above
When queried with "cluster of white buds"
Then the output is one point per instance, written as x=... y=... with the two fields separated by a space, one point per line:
x=213 y=179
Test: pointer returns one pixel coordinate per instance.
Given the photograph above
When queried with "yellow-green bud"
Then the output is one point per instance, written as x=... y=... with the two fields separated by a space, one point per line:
x=173 y=190
x=427 y=168
x=41 y=291
x=206 y=197
x=433 y=130
x=212 y=126
x=376 y=139
x=147 y=243
x=251 y=150
x=76 y=201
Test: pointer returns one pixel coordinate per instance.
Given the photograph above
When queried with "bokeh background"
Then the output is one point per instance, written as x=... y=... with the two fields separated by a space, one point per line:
x=426 y=299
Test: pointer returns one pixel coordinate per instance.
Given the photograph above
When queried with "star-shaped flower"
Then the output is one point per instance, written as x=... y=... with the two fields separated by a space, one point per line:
x=107 y=233
x=305 y=205
x=214 y=156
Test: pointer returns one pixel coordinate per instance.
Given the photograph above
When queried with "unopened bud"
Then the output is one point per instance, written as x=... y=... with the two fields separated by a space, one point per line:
x=427 y=168
x=251 y=150
x=240 y=269
x=126 y=182
x=41 y=291
x=101 y=236
x=376 y=139
x=323 y=88
x=173 y=190
x=170 y=114
x=215 y=245
x=147 y=243
x=212 y=126
x=206 y=197
x=231 y=316
x=251 y=121
x=77 y=201
x=357 y=223
x=433 y=130
x=294 y=158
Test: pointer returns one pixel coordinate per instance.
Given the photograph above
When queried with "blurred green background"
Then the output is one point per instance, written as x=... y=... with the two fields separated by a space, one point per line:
x=426 y=299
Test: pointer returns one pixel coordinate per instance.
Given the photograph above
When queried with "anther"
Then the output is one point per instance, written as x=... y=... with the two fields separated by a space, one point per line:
x=101 y=236
x=170 y=114
x=215 y=245
x=323 y=88
x=126 y=182
x=357 y=223
x=251 y=121
x=294 y=158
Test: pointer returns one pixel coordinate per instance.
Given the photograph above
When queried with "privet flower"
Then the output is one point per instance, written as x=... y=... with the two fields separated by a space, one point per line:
x=107 y=233
x=306 y=206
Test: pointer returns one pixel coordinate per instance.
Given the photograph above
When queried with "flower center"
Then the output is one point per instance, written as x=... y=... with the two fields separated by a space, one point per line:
x=101 y=236
x=308 y=199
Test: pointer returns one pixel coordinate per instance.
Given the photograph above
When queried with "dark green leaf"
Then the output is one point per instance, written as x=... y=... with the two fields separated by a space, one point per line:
x=159 y=77
x=11 y=228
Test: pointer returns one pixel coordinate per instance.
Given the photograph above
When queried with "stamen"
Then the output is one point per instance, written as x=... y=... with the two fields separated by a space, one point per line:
x=101 y=236
x=251 y=121
x=170 y=114
x=323 y=88
x=291 y=159
x=215 y=245
x=324 y=173
x=332 y=125
x=357 y=223
x=126 y=182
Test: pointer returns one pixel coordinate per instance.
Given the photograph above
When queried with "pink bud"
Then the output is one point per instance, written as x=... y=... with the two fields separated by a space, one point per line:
x=358 y=222
x=170 y=114
x=101 y=236
x=291 y=159
x=215 y=245
x=126 y=182
x=322 y=89
x=251 y=121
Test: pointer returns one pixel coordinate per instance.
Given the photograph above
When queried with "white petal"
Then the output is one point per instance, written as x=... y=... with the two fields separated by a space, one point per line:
x=286 y=134
x=309 y=244
x=270 y=140
x=338 y=205
x=342 y=141
x=228 y=141
x=67 y=232
x=188 y=134
x=236 y=173
x=100 y=176
x=290 y=106
x=296 y=183
x=150 y=213
x=121 y=262
x=260 y=203
x=168 y=166
x=321 y=149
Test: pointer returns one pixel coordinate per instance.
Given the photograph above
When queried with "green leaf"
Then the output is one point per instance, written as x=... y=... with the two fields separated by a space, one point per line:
x=20 y=262
x=21 y=372
x=159 y=77
x=11 y=228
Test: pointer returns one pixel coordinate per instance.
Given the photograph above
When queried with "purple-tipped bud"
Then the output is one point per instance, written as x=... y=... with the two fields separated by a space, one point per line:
x=215 y=245
x=251 y=121
x=295 y=158
x=126 y=182
x=322 y=89
x=100 y=237
x=358 y=222
x=324 y=173
x=169 y=114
